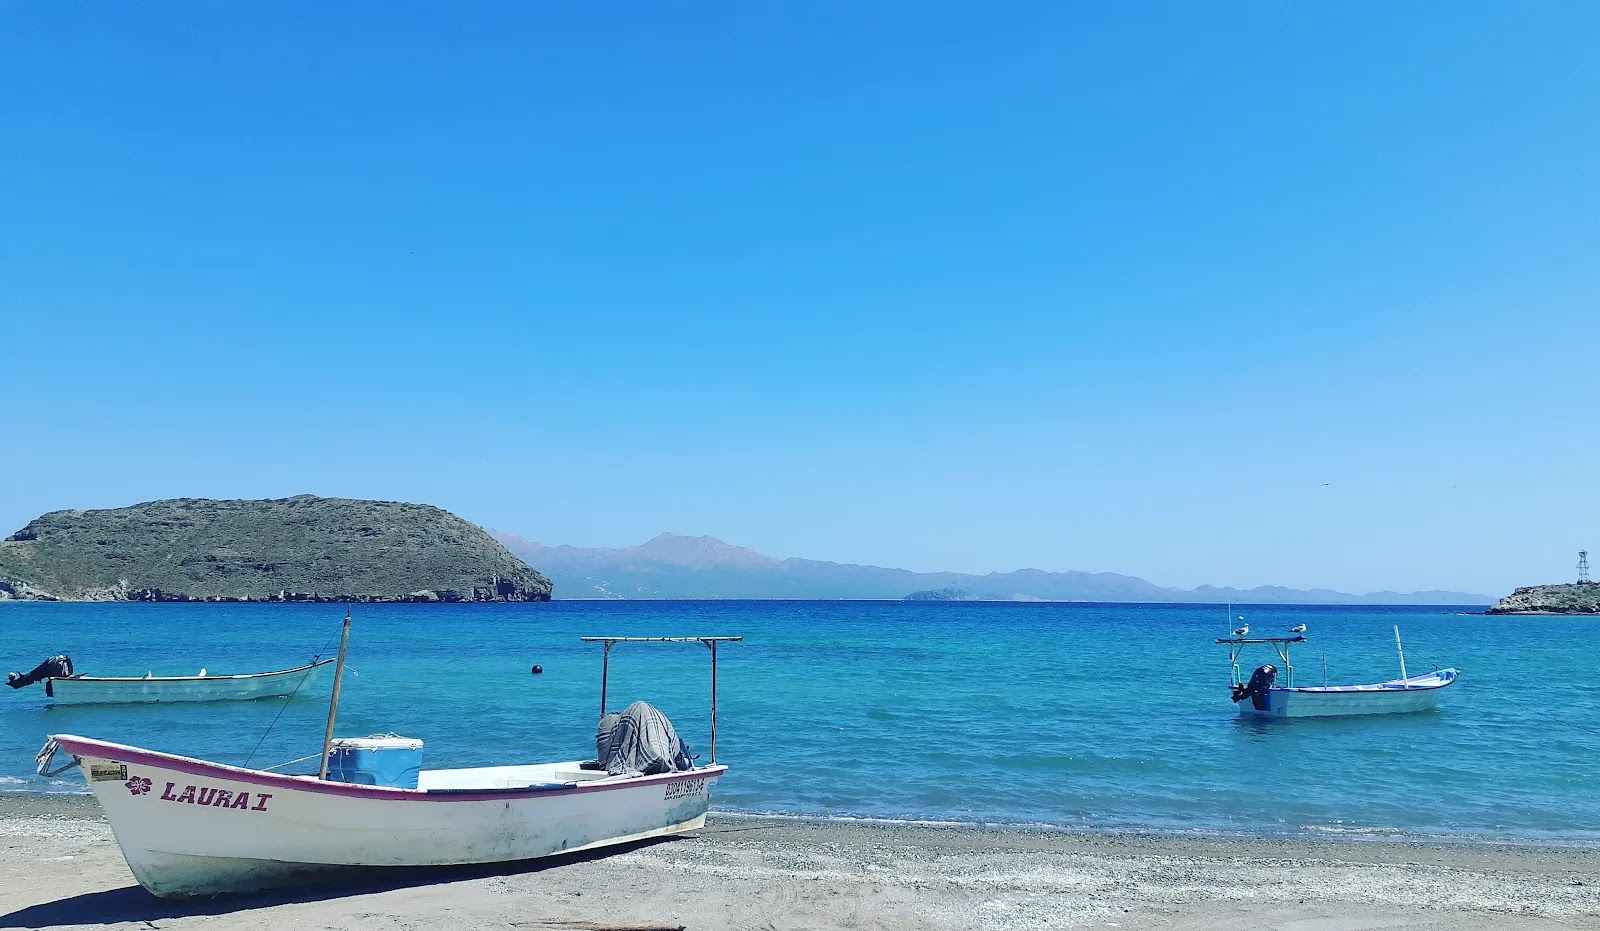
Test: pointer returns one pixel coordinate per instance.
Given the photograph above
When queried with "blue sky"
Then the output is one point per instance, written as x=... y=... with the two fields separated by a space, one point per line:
x=1235 y=293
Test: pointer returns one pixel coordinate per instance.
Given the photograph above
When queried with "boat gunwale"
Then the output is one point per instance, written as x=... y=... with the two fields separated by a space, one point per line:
x=240 y=675
x=122 y=753
x=1433 y=682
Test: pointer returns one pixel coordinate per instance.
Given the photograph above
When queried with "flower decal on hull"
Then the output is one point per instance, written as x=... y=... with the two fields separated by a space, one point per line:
x=138 y=785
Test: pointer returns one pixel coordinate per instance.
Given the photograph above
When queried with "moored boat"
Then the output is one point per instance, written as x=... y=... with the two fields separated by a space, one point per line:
x=1261 y=697
x=65 y=687
x=192 y=827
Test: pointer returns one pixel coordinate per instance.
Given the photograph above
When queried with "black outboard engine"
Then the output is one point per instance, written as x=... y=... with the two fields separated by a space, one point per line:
x=56 y=667
x=1256 y=690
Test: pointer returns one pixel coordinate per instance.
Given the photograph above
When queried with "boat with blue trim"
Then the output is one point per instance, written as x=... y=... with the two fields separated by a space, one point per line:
x=65 y=686
x=1262 y=697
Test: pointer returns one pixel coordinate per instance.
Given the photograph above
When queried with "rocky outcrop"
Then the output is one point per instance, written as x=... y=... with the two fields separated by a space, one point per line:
x=1574 y=598
x=301 y=549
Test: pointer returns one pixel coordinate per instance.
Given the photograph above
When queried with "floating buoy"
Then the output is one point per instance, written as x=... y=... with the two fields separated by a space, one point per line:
x=538 y=670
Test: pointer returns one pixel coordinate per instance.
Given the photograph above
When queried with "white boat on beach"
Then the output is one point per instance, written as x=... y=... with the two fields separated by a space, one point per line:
x=1260 y=696
x=192 y=827
x=68 y=688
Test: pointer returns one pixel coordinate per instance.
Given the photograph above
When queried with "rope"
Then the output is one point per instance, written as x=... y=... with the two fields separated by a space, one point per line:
x=318 y=655
x=281 y=708
x=268 y=769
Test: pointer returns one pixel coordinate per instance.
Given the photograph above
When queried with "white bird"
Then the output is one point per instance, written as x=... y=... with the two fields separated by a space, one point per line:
x=1298 y=629
x=1242 y=631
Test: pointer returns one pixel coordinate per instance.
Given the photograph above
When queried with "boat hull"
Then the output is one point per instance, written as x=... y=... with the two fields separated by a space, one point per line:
x=96 y=690
x=1418 y=693
x=187 y=827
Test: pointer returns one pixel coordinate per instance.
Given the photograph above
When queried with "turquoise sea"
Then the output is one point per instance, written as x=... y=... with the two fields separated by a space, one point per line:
x=1082 y=716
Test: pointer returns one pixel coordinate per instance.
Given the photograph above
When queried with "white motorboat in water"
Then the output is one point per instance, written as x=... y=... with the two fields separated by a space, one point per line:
x=66 y=687
x=1260 y=696
x=192 y=827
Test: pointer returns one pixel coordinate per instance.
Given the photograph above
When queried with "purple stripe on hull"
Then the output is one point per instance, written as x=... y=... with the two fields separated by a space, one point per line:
x=83 y=746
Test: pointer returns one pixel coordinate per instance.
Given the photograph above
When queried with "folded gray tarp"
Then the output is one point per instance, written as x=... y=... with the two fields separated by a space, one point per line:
x=640 y=739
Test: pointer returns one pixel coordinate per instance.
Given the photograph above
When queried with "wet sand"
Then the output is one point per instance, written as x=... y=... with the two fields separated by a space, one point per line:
x=59 y=867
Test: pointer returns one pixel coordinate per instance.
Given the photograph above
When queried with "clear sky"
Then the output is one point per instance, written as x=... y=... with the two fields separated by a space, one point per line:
x=1238 y=293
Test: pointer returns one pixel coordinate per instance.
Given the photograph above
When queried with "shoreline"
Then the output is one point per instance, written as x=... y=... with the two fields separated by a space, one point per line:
x=64 y=870
x=82 y=806
x=386 y=600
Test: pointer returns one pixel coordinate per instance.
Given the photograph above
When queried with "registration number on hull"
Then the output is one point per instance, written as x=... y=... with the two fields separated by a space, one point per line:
x=688 y=788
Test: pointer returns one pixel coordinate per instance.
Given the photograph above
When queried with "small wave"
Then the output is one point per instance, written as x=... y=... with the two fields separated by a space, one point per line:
x=1352 y=830
x=983 y=824
x=850 y=819
x=1334 y=833
x=12 y=786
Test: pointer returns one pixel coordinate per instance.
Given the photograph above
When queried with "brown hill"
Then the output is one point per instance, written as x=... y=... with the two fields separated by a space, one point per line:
x=304 y=548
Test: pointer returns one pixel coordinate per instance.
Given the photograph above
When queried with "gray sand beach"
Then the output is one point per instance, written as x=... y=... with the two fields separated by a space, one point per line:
x=61 y=868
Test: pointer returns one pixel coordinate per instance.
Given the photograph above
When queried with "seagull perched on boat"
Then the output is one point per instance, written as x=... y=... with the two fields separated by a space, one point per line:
x=1298 y=629
x=1243 y=629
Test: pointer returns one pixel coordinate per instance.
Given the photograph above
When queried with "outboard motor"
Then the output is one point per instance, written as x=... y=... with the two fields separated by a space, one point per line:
x=56 y=667
x=1256 y=690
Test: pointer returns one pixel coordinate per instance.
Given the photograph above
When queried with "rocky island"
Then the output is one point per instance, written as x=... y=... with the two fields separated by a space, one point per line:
x=304 y=548
x=1572 y=598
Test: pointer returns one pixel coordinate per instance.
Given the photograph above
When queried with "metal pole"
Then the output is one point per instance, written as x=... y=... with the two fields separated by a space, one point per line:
x=1402 y=650
x=605 y=672
x=333 y=704
x=713 y=645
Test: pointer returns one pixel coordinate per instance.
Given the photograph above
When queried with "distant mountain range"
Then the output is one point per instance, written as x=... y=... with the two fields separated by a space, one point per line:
x=673 y=566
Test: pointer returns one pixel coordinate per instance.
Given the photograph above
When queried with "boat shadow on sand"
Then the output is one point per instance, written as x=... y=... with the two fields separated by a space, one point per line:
x=133 y=904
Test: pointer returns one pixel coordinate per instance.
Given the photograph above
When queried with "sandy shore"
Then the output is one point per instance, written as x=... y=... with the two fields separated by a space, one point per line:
x=59 y=867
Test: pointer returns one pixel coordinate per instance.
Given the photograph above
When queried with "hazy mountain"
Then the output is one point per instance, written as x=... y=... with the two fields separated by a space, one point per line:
x=672 y=566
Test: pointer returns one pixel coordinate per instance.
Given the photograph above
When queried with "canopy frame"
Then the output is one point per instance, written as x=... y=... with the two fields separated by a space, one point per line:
x=1236 y=646
x=710 y=643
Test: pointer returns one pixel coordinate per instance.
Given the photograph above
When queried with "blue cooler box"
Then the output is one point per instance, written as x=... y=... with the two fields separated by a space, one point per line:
x=376 y=761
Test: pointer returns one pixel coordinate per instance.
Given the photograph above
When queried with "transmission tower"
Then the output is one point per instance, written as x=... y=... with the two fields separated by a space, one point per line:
x=1583 y=568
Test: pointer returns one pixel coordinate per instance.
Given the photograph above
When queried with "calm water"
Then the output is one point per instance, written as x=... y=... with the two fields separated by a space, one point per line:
x=1082 y=716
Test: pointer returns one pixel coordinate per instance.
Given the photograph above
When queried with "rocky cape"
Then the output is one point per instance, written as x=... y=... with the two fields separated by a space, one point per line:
x=1572 y=598
x=304 y=548
x=673 y=566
